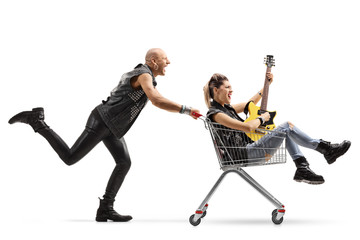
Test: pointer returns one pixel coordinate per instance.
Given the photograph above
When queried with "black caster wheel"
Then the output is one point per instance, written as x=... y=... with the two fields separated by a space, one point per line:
x=274 y=215
x=194 y=223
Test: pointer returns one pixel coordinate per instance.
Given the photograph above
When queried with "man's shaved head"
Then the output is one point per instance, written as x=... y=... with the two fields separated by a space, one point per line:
x=153 y=53
x=157 y=60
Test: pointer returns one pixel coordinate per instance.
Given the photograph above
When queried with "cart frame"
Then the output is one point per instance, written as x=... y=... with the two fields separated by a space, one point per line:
x=230 y=165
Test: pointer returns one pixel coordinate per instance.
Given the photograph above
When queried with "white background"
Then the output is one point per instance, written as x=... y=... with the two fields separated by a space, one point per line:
x=66 y=56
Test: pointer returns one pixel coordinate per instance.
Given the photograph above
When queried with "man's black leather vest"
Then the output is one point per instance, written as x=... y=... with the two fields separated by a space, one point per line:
x=124 y=104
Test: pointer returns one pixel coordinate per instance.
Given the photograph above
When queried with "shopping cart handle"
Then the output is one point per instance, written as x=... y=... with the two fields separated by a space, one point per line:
x=197 y=115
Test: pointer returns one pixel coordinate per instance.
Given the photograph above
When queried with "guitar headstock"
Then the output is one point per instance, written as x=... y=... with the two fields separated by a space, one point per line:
x=269 y=61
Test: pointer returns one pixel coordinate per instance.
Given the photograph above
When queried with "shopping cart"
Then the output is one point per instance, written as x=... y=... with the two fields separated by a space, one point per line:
x=235 y=150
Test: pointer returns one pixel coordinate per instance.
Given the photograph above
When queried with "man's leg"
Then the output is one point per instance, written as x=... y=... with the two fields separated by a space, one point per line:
x=119 y=151
x=94 y=132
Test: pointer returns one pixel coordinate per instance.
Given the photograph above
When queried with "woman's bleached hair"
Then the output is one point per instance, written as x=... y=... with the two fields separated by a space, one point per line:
x=215 y=81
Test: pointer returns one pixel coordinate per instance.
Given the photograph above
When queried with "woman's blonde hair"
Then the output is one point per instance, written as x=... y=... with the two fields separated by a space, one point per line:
x=215 y=81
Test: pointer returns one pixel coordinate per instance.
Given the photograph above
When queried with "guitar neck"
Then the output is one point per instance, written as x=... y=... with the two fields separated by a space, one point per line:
x=265 y=95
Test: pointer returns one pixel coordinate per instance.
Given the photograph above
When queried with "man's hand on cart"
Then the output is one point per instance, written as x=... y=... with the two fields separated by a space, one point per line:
x=195 y=114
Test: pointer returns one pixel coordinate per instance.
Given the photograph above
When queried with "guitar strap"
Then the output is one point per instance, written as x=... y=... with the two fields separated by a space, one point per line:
x=246 y=109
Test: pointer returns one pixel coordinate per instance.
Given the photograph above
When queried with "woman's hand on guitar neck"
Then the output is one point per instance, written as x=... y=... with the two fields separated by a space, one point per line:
x=270 y=77
x=266 y=116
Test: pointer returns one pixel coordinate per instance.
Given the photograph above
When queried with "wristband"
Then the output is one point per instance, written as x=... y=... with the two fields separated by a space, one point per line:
x=262 y=120
x=185 y=110
x=182 y=110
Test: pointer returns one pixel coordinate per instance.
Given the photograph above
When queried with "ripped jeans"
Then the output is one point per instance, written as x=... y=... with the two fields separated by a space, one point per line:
x=294 y=138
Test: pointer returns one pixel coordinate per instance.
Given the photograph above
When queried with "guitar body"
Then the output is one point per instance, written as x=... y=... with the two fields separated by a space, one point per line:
x=254 y=112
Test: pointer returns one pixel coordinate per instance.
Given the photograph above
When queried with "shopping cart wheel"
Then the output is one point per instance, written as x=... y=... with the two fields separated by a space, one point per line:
x=192 y=222
x=274 y=215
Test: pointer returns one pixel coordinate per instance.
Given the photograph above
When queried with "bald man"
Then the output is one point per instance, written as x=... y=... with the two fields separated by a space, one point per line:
x=109 y=122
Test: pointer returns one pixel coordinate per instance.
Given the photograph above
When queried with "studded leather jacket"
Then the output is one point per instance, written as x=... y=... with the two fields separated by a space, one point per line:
x=227 y=136
x=124 y=104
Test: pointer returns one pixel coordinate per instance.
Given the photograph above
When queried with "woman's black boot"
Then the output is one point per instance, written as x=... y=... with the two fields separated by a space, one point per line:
x=34 y=118
x=305 y=174
x=106 y=212
x=333 y=151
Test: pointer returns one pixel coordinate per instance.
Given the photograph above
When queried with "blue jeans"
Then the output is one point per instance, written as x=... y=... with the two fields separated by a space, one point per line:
x=271 y=141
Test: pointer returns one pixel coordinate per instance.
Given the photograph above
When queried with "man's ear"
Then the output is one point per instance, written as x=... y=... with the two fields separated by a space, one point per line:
x=153 y=60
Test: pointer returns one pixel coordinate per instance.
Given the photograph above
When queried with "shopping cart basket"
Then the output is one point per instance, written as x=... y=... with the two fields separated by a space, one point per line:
x=235 y=150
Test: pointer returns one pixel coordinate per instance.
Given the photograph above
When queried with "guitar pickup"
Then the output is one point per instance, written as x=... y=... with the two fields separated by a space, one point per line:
x=260 y=131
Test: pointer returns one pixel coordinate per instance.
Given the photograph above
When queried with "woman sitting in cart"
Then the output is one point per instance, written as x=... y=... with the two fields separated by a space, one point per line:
x=218 y=93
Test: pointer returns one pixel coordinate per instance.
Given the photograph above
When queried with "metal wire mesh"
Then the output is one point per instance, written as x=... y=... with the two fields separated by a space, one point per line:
x=236 y=148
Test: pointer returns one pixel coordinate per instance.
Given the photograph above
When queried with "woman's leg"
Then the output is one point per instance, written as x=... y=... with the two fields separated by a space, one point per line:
x=293 y=138
x=269 y=143
x=330 y=151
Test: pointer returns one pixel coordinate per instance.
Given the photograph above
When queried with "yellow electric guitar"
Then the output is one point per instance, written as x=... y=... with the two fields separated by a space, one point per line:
x=255 y=111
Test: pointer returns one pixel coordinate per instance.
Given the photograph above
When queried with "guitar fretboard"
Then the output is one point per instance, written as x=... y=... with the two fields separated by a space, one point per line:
x=265 y=95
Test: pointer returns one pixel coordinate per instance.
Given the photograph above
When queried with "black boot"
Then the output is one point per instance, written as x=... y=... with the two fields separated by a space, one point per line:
x=106 y=212
x=34 y=118
x=305 y=174
x=333 y=151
